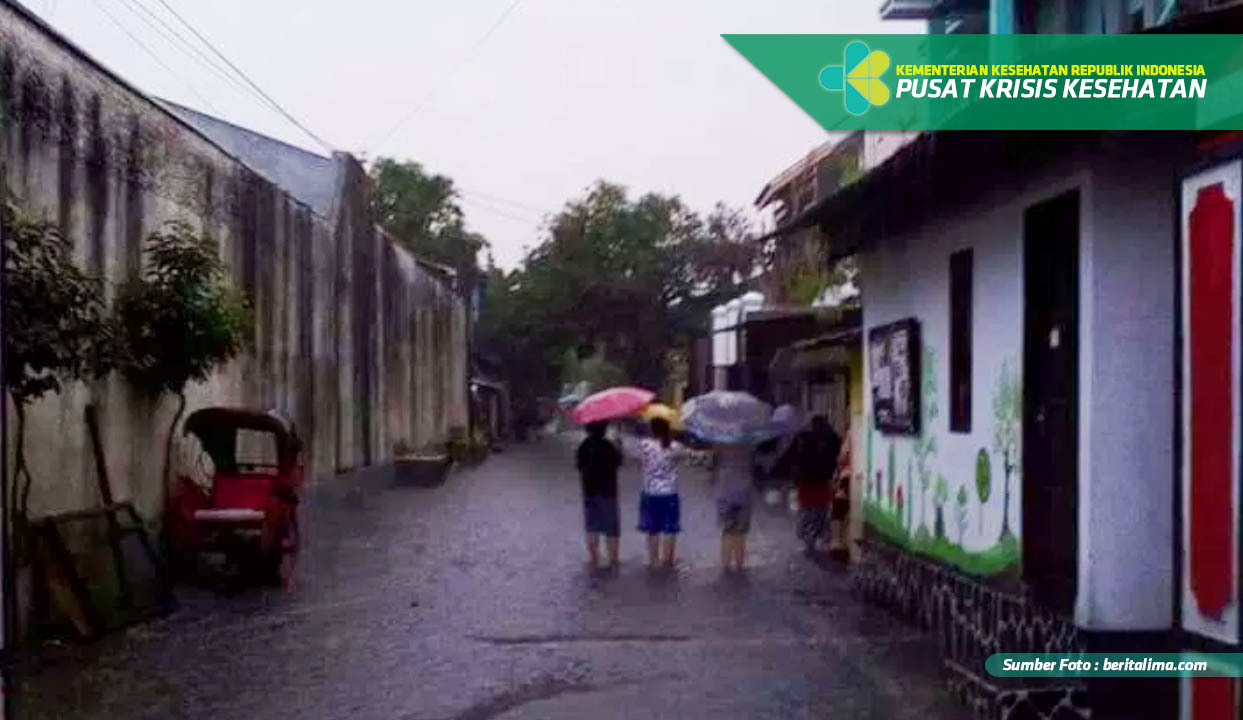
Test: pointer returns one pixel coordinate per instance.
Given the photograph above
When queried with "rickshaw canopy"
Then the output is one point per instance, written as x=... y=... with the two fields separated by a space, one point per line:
x=217 y=427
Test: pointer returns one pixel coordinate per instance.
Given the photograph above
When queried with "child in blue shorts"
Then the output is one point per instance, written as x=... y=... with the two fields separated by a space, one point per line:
x=660 y=515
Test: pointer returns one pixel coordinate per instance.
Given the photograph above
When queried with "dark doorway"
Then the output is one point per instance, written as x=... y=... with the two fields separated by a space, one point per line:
x=1051 y=400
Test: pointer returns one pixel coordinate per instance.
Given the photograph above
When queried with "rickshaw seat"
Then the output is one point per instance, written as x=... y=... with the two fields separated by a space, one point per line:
x=251 y=492
x=229 y=515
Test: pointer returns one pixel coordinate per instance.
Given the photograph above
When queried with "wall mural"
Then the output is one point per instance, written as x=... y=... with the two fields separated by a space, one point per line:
x=943 y=510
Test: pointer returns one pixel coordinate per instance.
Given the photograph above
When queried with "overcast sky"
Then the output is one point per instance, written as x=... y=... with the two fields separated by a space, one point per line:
x=559 y=94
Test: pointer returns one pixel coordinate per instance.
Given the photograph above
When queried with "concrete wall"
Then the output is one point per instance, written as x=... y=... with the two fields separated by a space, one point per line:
x=353 y=339
x=1127 y=384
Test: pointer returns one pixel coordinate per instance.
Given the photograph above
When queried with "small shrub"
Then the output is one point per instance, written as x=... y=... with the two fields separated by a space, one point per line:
x=56 y=330
x=180 y=320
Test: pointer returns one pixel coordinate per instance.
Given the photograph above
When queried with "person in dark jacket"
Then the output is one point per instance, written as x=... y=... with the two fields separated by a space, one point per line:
x=598 y=461
x=813 y=460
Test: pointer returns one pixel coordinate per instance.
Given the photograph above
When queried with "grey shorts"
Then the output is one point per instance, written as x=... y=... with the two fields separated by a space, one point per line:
x=601 y=515
x=733 y=516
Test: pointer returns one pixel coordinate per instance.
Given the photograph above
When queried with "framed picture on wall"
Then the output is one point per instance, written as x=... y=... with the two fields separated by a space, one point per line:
x=894 y=362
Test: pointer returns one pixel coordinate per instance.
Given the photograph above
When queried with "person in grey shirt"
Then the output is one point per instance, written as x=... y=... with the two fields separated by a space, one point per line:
x=732 y=480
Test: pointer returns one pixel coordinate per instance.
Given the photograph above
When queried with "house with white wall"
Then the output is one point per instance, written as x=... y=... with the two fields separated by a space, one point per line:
x=1044 y=471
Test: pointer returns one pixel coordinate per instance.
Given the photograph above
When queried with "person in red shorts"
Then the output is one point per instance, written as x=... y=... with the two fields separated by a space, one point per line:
x=813 y=459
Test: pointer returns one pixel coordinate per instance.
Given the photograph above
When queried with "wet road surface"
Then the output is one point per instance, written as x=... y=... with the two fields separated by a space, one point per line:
x=473 y=601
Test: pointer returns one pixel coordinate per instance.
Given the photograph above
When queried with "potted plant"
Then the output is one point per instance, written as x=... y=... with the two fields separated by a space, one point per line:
x=458 y=446
x=423 y=467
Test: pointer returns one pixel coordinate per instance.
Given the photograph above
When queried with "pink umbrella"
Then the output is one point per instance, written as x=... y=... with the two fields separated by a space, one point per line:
x=611 y=404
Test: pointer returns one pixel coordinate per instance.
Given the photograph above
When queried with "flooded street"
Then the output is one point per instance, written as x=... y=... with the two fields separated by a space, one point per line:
x=473 y=600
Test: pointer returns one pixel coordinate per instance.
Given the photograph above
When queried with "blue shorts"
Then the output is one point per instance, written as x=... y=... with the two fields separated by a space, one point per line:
x=660 y=514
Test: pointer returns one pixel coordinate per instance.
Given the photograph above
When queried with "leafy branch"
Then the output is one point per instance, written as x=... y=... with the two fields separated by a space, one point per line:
x=56 y=327
x=180 y=319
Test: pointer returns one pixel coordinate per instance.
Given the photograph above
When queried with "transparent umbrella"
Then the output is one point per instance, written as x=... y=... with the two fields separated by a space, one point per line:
x=724 y=417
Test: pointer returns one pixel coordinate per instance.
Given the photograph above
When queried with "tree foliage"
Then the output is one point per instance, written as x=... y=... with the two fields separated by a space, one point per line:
x=1007 y=406
x=619 y=278
x=983 y=481
x=421 y=211
x=180 y=319
x=940 y=494
x=926 y=444
x=961 y=509
x=56 y=328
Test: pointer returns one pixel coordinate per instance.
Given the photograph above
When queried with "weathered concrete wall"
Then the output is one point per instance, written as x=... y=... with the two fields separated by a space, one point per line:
x=353 y=338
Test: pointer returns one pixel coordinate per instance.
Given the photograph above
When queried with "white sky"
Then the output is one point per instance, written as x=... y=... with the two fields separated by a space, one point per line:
x=563 y=92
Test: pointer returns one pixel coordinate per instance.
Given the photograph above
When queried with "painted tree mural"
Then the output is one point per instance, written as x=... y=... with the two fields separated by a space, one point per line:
x=898 y=500
x=983 y=482
x=940 y=494
x=962 y=512
x=910 y=490
x=1007 y=404
x=890 y=480
x=926 y=444
x=870 y=431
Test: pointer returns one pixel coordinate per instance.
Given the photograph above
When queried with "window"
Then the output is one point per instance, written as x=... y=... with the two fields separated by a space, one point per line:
x=960 y=340
x=256 y=451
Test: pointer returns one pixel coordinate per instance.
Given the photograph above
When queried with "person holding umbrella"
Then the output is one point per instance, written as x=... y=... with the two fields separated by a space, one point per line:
x=732 y=478
x=660 y=512
x=734 y=422
x=598 y=461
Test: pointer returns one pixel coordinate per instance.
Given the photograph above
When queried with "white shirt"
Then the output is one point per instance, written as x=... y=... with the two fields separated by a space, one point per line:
x=660 y=474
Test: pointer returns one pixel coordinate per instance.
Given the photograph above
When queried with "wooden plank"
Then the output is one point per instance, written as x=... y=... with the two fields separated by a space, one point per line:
x=105 y=491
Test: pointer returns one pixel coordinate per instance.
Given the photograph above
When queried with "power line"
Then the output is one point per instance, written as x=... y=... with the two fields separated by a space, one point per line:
x=155 y=57
x=186 y=48
x=446 y=78
x=501 y=200
x=288 y=116
x=473 y=202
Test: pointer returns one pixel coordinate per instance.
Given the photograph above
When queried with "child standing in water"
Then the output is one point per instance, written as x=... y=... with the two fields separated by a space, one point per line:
x=598 y=461
x=660 y=515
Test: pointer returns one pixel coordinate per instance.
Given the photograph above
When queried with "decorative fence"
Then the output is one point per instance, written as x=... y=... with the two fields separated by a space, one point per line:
x=973 y=621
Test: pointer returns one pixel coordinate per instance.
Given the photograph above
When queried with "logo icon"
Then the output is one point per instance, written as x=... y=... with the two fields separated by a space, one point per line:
x=858 y=78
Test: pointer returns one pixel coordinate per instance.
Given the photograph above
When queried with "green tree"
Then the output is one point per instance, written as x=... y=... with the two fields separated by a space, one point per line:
x=179 y=320
x=962 y=512
x=910 y=490
x=891 y=477
x=940 y=494
x=421 y=211
x=56 y=328
x=869 y=429
x=926 y=443
x=626 y=279
x=983 y=482
x=1007 y=405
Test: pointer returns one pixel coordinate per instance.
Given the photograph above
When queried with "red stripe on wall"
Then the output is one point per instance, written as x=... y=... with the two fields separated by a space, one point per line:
x=1212 y=698
x=1210 y=339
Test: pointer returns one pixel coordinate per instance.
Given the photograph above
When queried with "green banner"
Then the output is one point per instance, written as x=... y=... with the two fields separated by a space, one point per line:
x=1007 y=82
x=1050 y=665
